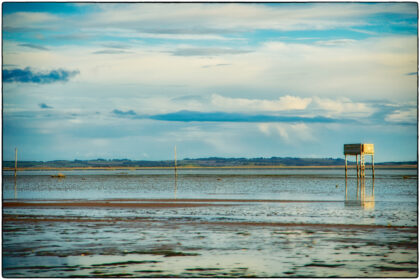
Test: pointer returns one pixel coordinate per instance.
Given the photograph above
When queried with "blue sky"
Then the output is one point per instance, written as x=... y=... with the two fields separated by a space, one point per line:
x=131 y=80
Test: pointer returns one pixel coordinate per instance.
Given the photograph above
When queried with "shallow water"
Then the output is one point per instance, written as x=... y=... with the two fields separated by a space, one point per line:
x=281 y=237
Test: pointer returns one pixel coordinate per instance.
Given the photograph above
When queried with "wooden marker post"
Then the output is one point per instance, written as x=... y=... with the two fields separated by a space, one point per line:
x=345 y=163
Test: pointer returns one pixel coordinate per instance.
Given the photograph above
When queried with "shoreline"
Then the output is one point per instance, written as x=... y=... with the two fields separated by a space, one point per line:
x=11 y=218
x=202 y=167
x=171 y=204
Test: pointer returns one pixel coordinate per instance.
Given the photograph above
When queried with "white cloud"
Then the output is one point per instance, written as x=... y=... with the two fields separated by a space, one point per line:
x=337 y=42
x=373 y=67
x=245 y=105
x=164 y=20
x=264 y=128
x=171 y=18
x=29 y=20
x=289 y=133
x=303 y=131
x=222 y=138
x=342 y=107
x=399 y=116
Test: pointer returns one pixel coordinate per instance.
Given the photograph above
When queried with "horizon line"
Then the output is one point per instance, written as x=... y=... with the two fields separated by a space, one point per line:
x=207 y=158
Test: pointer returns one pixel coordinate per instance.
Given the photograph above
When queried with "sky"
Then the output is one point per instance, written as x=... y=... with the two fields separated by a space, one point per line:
x=132 y=80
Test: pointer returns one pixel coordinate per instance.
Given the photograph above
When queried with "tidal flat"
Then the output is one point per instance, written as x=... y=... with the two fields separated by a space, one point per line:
x=213 y=223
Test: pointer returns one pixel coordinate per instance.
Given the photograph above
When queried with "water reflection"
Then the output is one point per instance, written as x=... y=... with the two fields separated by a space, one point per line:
x=358 y=195
x=15 y=187
x=176 y=187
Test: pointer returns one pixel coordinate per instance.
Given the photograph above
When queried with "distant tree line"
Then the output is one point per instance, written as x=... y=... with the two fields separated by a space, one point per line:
x=199 y=162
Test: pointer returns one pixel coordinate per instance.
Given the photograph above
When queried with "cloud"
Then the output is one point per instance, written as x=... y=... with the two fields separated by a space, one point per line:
x=277 y=81
x=27 y=75
x=376 y=66
x=72 y=37
x=207 y=51
x=342 y=107
x=113 y=45
x=29 y=19
x=215 y=65
x=34 y=46
x=129 y=113
x=337 y=42
x=230 y=17
x=373 y=67
x=289 y=132
x=283 y=103
x=193 y=116
x=188 y=98
x=111 y=52
x=286 y=108
x=179 y=35
x=44 y=106
x=408 y=116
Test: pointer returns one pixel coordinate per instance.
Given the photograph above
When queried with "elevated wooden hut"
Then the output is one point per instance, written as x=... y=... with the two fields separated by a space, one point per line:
x=359 y=150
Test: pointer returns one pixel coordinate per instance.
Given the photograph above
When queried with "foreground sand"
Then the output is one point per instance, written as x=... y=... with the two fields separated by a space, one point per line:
x=170 y=203
x=106 y=238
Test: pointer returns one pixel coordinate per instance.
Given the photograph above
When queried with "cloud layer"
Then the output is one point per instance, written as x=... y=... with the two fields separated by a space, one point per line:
x=216 y=79
x=190 y=116
x=27 y=75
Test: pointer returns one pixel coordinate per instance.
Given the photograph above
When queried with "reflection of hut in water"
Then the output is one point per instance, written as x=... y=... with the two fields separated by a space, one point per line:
x=358 y=195
x=359 y=150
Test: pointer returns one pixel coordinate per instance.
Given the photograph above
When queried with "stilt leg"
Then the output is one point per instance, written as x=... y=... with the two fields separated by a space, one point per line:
x=362 y=165
x=357 y=166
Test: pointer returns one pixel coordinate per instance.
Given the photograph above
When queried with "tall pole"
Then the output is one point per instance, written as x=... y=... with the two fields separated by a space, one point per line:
x=15 y=161
x=345 y=163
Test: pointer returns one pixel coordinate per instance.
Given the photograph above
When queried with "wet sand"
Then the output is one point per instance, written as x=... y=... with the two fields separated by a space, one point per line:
x=36 y=219
x=241 y=223
x=147 y=203
x=66 y=239
x=169 y=203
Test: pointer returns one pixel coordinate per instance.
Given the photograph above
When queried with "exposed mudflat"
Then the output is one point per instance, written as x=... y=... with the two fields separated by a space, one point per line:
x=262 y=232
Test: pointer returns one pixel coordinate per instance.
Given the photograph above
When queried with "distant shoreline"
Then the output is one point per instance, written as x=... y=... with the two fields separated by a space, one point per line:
x=407 y=166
